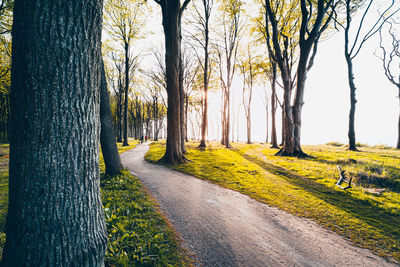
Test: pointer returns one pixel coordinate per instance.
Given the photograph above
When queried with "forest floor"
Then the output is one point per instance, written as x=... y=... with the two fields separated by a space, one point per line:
x=223 y=227
x=138 y=233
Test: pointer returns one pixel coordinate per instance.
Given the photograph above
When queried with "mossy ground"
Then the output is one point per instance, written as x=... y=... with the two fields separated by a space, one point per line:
x=306 y=187
x=138 y=233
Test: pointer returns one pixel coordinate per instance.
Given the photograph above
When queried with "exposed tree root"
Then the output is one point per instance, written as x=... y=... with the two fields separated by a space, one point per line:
x=296 y=153
x=175 y=160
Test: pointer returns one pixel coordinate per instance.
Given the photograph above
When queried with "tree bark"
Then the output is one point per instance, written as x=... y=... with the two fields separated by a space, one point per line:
x=126 y=94
x=182 y=103
x=171 y=12
x=274 y=141
x=108 y=143
x=55 y=215
x=186 y=117
x=353 y=101
x=398 y=126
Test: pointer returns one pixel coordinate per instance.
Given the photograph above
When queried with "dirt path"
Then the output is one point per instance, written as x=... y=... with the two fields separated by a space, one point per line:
x=226 y=228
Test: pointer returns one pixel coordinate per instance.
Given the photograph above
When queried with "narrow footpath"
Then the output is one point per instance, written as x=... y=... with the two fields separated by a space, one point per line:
x=226 y=228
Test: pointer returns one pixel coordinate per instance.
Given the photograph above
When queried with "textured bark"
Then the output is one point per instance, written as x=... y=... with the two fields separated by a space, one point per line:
x=274 y=140
x=171 y=12
x=350 y=76
x=55 y=215
x=182 y=104
x=353 y=101
x=126 y=94
x=204 y=123
x=108 y=143
x=119 y=115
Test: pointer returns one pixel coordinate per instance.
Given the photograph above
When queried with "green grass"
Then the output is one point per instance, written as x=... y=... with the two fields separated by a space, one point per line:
x=138 y=233
x=306 y=187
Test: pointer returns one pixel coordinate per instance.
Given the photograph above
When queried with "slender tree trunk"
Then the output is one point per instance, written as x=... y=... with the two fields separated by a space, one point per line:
x=170 y=9
x=353 y=101
x=398 y=126
x=126 y=94
x=119 y=135
x=249 y=128
x=274 y=140
x=267 y=121
x=108 y=143
x=55 y=215
x=283 y=126
x=228 y=117
x=186 y=117
x=182 y=105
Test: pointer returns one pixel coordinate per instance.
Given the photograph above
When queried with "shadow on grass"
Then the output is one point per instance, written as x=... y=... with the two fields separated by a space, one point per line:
x=363 y=210
x=390 y=182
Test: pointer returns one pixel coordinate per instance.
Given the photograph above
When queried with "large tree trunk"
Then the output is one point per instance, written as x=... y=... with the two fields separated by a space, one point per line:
x=170 y=10
x=126 y=94
x=55 y=215
x=353 y=101
x=108 y=143
x=298 y=101
x=274 y=141
x=288 y=124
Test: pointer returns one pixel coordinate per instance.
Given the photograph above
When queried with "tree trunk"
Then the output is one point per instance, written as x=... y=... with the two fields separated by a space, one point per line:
x=353 y=101
x=274 y=141
x=288 y=124
x=119 y=135
x=108 y=143
x=186 y=117
x=283 y=125
x=126 y=94
x=298 y=101
x=267 y=121
x=55 y=215
x=398 y=126
x=249 y=128
x=182 y=104
x=170 y=10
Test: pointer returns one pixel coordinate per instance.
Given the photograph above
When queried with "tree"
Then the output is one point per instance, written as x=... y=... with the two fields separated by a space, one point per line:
x=391 y=62
x=352 y=49
x=202 y=24
x=172 y=12
x=6 y=7
x=108 y=143
x=55 y=215
x=124 y=21
x=272 y=75
x=227 y=59
x=301 y=20
x=247 y=69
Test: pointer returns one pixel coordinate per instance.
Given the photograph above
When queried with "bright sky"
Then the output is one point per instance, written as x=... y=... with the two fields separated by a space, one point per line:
x=325 y=113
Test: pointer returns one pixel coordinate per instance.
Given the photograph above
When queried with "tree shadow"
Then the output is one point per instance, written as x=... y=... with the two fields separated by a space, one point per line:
x=364 y=210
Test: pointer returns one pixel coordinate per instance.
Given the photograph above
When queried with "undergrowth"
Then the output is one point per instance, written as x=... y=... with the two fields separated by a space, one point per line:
x=138 y=234
x=306 y=187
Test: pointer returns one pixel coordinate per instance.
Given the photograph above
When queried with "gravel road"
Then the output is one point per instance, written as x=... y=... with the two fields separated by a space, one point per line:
x=226 y=228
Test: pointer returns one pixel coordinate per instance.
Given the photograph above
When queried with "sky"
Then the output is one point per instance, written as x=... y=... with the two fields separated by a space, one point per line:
x=326 y=108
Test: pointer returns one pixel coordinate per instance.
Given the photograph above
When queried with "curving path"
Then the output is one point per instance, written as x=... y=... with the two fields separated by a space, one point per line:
x=226 y=228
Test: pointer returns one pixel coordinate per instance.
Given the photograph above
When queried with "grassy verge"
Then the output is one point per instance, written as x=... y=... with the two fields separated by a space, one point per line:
x=138 y=234
x=306 y=187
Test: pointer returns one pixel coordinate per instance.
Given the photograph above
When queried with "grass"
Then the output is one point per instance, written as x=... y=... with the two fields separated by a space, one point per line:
x=138 y=233
x=306 y=187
